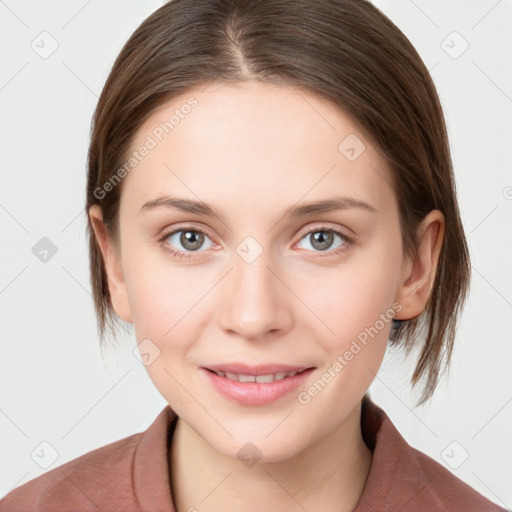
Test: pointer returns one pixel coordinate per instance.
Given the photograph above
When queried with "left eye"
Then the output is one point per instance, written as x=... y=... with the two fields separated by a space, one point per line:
x=322 y=239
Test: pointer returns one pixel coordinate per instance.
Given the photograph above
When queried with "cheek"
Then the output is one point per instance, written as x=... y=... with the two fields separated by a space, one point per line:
x=355 y=305
x=171 y=307
x=353 y=297
x=356 y=312
x=167 y=314
x=160 y=293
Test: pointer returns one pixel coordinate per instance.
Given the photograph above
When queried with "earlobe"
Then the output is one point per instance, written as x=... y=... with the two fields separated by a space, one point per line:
x=112 y=260
x=418 y=274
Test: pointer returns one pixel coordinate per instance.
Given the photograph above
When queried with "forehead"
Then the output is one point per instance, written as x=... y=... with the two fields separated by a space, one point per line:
x=258 y=144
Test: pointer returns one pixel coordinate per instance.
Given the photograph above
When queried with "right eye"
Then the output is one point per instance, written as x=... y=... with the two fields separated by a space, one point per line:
x=190 y=239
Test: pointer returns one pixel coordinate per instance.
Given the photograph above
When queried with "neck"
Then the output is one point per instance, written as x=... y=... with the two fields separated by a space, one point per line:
x=329 y=475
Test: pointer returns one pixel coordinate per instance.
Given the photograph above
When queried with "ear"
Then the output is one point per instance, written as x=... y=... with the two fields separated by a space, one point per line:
x=418 y=274
x=112 y=260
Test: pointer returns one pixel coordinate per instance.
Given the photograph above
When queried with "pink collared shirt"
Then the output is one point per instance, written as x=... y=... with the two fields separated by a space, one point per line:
x=132 y=475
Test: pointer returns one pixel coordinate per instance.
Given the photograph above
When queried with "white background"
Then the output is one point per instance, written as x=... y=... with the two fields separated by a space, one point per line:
x=56 y=388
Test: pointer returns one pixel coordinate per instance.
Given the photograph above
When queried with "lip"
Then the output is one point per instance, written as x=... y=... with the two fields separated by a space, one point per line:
x=255 y=393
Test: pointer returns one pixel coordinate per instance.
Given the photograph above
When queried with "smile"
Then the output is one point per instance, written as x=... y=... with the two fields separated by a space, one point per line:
x=258 y=387
x=270 y=377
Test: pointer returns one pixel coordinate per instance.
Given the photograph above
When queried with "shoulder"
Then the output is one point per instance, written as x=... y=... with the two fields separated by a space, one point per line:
x=99 y=479
x=402 y=477
x=437 y=488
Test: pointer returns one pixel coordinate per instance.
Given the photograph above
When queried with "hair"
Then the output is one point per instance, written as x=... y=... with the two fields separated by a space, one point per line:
x=346 y=51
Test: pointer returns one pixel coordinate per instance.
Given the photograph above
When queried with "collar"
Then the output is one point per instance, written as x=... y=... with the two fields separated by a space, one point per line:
x=400 y=477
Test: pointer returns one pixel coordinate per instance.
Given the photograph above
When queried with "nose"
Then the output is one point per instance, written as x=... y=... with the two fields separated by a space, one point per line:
x=255 y=304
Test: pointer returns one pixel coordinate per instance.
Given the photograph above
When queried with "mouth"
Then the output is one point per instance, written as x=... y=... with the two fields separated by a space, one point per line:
x=261 y=378
x=256 y=385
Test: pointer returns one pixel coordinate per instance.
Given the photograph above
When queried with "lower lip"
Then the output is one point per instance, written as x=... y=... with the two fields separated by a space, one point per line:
x=256 y=393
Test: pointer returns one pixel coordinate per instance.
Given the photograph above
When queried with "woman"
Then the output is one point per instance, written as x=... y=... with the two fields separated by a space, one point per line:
x=271 y=202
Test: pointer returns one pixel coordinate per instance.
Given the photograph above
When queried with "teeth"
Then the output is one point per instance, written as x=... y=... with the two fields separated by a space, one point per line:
x=263 y=378
x=246 y=378
x=257 y=378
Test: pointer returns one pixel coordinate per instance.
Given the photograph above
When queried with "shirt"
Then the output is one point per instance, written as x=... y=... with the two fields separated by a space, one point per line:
x=132 y=475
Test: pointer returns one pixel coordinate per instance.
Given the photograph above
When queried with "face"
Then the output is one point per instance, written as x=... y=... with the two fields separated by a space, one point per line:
x=267 y=281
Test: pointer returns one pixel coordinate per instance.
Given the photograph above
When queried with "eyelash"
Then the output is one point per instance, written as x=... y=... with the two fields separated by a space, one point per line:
x=180 y=254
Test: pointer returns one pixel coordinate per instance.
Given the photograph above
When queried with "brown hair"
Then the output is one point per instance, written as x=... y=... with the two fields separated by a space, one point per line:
x=346 y=51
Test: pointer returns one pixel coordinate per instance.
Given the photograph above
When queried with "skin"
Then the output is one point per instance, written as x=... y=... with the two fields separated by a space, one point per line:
x=253 y=150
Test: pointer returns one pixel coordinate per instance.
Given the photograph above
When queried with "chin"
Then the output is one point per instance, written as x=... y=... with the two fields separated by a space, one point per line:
x=258 y=447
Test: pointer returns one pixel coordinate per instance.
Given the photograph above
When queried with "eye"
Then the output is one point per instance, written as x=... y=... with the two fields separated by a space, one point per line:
x=321 y=240
x=180 y=242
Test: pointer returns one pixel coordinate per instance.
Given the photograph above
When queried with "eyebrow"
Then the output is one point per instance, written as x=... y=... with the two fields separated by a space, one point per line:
x=298 y=210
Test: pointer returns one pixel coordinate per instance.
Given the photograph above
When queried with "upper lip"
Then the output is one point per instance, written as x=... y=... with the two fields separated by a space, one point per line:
x=263 y=369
